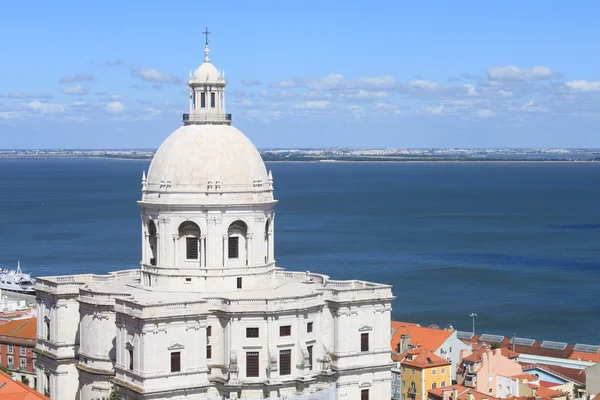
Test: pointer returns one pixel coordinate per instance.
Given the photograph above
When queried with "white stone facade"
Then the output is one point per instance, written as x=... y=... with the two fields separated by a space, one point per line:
x=209 y=315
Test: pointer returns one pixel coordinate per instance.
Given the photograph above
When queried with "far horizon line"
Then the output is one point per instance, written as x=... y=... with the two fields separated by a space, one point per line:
x=307 y=148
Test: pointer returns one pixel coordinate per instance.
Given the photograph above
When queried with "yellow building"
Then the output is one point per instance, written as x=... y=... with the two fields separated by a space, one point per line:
x=420 y=371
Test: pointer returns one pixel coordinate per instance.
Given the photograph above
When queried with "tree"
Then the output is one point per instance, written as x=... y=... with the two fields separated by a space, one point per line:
x=5 y=370
x=25 y=379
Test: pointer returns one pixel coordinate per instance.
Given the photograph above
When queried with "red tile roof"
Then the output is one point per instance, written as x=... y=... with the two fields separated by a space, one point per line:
x=583 y=356
x=475 y=356
x=421 y=358
x=15 y=390
x=426 y=338
x=550 y=393
x=21 y=328
x=571 y=374
x=462 y=392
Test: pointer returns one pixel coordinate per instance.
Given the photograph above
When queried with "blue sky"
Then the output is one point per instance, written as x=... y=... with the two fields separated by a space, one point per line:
x=112 y=74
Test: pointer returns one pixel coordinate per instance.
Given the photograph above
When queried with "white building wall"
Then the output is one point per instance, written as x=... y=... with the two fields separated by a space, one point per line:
x=450 y=351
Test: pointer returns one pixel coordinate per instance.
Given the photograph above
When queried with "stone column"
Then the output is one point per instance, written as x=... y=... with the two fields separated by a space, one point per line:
x=225 y=250
x=175 y=250
x=249 y=250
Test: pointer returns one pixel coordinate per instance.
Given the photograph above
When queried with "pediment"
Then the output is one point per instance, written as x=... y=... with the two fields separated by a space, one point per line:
x=176 y=346
x=365 y=385
x=365 y=328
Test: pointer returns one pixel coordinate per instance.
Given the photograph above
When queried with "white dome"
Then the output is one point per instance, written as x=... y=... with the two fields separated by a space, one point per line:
x=195 y=155
x=206 y=72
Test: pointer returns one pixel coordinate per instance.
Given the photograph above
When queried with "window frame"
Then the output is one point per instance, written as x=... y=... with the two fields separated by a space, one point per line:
x=213 y=100
x=310 y=357
x=130 y=355
x=233 y=247
x=309 y=327
x=252 y=364
x=23 y=351
x=209 y=352
x=364 y=342
x=285 y=362
x=239 y=283
x=192 y=247
x=175 y=361
x=209 y=331
x=285 y=330
x=202 y=100
x=364 y=394
x=252 y=332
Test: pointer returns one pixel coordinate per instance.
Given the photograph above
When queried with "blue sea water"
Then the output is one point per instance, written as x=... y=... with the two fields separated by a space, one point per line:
x=516 y=243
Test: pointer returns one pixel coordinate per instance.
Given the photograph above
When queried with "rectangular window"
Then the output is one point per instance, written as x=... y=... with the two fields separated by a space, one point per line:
x=403 y=383
x=443 y=371
x=233 y=249
x=239 y=283
x=176 y=361
x=309 y=327
x=208 y=352
x=191 y=245
x=364 y=394
x=364 y=342
x=10 y=362
x=251 y=332
x=310 y=357
x=209 y=331
x=434 y=371
x=212 y=100
x=434 y=385
x=10 y=349
x=23 y=351
x=130 y=353
x=285 y=362
x=285 y=330
x=47 y=330
x=443 y=383
x=252 y=370
x=202 y=100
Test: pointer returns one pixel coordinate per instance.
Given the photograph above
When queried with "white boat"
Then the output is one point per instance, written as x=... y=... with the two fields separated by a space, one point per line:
x=17 y=281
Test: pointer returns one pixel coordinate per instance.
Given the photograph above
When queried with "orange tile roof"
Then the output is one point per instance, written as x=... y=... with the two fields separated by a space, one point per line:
x=15 y=390
x=475 y=356
x=421 y=358
x=21 y=328
x=527 y=377
x=426 y=338
x=545 y=392
x=462 y=392
x=583 y=356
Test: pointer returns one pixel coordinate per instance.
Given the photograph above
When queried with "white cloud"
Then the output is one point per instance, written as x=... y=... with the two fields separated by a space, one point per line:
x=77 y=89
x=505 y=93
x=77 y=78
x=584 y=86
x=485 y=113
x=366 y=95
x=45 y=108
x=246 y=82
x=438 y=110
x=115 y=107
x=12 y=114
x=154 y=75
x=113 y=63
x=532 y=106
x=315 y=105
x=512 y=73
x=25 y=95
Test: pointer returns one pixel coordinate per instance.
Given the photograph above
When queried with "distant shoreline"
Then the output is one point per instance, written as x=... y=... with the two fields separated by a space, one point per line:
x=324 y=161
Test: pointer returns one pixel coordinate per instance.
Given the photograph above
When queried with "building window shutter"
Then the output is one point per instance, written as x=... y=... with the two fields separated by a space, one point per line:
x=285 y=362
x=285 y=330
x=233 y=249
x=130 y=353
x=191 y=248
x=176 y=361
x=364 y=394
x=364 y=342
x=252 y=369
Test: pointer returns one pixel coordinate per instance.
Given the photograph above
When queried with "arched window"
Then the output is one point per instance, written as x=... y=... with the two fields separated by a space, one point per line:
x=152 y=242
x=189 y=233
x=267 y=240
x=236 y=242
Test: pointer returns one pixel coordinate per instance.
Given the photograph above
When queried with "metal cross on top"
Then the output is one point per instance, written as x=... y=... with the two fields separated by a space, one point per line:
x=206 y=33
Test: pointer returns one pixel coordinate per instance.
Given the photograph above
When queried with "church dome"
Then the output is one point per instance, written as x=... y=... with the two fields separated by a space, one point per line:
x=201 y=158
x=206 y=72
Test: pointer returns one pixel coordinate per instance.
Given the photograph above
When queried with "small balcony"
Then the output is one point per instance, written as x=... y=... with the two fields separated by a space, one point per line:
x=470 y=381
